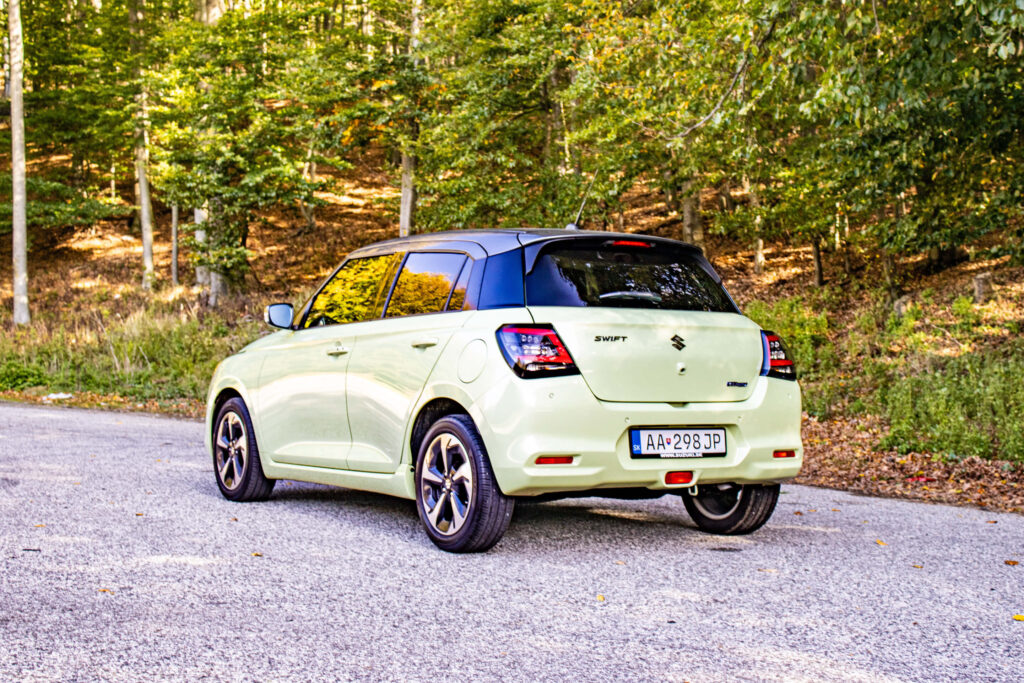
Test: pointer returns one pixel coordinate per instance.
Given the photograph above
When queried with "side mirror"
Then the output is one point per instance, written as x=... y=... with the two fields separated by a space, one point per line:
x=279 y=315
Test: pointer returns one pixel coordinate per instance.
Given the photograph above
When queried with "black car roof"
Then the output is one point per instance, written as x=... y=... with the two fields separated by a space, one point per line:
x=498 y=240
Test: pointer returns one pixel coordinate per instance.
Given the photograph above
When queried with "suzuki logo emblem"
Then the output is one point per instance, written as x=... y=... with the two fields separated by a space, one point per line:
x=677 y=342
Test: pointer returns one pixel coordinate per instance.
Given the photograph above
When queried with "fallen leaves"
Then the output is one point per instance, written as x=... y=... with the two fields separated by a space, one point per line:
x=1012 y=563
x=880 y=542
x=840 y=453
x=917 y=566
x=600 y=598
x=1018 y=617
x=104 y=590
x=257 y=554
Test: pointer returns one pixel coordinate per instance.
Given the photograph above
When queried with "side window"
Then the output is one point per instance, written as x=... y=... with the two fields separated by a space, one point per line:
x=356 y=292
x=458 y=297
x=425 y=283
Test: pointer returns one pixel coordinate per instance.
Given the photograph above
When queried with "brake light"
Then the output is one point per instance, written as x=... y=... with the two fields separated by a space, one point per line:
x=778 y=362
x=631 y=243
x=535 y=351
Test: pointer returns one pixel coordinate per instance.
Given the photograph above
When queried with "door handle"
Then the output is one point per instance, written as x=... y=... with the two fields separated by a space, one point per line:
x=424 y=343
x=338 y=350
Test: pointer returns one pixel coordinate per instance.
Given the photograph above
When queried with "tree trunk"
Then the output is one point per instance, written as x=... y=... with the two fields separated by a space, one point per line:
x=755 y=203
x=174 y=245
x=136 y=9
x=18 y=197
x=202 y=272
x=693 y=226
x=407 y=208
x=819 y=272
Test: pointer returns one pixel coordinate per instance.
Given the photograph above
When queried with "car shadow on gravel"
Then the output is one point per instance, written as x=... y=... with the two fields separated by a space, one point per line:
x=595 y=523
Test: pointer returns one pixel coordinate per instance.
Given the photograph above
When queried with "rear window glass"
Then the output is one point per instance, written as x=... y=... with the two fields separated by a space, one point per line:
x=425 y=283
x=624 y=277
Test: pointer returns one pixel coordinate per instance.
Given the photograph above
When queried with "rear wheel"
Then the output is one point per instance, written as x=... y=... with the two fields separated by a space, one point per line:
x=731 y=509
x=236 y=457
x=458 y=500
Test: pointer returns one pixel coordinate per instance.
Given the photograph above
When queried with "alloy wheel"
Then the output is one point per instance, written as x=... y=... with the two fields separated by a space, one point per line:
x=446 y=483
x=718 y=501
x=232 y=450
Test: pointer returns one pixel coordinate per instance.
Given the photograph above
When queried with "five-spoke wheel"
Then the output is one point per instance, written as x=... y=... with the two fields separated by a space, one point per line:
x=459 y=502
x=236 y=458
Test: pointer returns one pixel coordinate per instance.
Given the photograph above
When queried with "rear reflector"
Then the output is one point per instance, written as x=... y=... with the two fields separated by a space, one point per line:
x=554 y=460
x=678 y=477
x=784 y=454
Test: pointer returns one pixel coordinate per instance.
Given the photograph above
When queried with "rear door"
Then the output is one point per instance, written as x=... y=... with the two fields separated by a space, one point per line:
x=393 y=357
x=645 y=321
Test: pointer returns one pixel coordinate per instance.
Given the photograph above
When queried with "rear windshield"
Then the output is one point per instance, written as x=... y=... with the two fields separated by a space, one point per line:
x=615 y=276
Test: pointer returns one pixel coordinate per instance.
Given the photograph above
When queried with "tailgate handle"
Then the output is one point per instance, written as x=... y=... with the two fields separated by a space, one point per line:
x=424 y=343
x=338 y=350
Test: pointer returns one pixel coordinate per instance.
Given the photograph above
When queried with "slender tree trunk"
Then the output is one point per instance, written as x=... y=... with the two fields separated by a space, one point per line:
x=819 y=272
x=755 y=202
x=18 y=197
x=407 y=208
x=174 y=245
x=693 y=226
x=136 y=10
x=202 y=272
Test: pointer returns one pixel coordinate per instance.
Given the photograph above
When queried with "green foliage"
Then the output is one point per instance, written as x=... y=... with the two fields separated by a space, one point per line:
x=965 y=406
x=805 y=333
x=53 y=204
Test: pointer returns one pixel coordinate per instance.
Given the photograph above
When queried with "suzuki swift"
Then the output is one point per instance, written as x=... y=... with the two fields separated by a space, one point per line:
x=467 y=369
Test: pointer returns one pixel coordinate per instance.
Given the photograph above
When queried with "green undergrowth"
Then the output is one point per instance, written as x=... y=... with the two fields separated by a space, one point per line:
x=158 y=351
x=944 y=375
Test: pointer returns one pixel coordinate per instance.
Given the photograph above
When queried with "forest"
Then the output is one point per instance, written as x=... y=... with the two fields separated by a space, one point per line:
x=877 y=142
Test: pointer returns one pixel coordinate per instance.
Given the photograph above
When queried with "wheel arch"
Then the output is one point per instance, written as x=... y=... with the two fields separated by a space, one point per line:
x=429 y=413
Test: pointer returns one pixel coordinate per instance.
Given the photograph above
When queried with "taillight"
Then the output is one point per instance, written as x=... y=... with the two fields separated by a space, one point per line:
x=535 y=351
x=778 y=362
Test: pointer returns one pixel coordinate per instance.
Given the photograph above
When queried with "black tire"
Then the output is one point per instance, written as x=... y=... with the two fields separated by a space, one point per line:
x=731 y=509
x=460 y=515
x=236 y=456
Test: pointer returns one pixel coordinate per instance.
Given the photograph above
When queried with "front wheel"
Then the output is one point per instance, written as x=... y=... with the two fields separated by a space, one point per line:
x=236 y=457
x=731 y=509
x=457 y=498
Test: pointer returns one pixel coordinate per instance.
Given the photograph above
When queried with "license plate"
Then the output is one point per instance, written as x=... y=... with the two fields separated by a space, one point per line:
x=677 y=443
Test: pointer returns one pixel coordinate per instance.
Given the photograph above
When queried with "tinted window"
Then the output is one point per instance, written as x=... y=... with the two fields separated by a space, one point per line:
x=356 y=292
x=626 y=277
x=458 y=298
x=424 y=284
x=503 y=281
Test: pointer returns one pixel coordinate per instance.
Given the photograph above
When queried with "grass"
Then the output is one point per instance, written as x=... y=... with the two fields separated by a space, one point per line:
x=156 y=351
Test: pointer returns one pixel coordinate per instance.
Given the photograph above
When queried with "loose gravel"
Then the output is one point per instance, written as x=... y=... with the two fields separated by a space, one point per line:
x=121 y=561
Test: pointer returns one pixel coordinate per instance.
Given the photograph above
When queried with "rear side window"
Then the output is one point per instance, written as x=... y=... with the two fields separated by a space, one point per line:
x=356 y=292
x=624 y=276
x=425 y=284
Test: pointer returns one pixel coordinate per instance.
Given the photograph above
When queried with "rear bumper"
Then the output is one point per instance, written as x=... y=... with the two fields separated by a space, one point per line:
x=521 y=420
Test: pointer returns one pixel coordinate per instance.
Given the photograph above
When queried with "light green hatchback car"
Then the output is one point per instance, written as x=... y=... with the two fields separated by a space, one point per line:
x=467 y=369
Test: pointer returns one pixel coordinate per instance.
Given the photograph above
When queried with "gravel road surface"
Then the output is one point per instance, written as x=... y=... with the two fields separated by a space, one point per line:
x=121 y=561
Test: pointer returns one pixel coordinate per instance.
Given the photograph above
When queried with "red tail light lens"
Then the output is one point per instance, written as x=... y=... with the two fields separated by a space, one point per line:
x=535 y=351
x=784 y=454
x=554 y=460
x=778 y=362
x=677 y=478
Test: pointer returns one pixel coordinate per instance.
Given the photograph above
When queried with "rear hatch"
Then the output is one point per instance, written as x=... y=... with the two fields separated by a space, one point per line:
x=644 y=320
